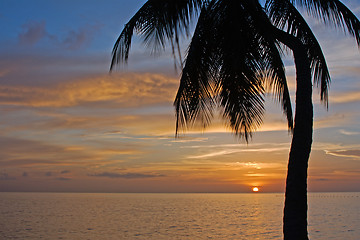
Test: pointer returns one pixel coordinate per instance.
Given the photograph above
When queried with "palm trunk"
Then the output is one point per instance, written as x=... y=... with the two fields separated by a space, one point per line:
x=295 y=210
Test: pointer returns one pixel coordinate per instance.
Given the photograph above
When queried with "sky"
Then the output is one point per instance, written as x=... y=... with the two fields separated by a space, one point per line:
x=68 y=125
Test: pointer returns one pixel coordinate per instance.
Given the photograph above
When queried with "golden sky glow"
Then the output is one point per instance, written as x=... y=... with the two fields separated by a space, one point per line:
x=66 y=124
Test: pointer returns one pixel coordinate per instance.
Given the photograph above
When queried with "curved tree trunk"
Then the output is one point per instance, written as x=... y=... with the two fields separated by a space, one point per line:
x=295 y=210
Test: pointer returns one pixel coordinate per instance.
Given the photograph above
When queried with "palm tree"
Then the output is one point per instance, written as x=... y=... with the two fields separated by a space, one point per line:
x=234 y=56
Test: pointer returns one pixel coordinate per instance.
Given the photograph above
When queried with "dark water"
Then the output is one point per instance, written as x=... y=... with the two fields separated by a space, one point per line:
x=170 y=216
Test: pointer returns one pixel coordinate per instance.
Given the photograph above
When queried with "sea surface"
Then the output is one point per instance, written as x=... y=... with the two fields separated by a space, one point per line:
x=170 y=216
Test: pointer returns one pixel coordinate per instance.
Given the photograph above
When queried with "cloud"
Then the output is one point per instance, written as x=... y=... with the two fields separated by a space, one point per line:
x=4 y=72
x=259 y=175
x=125 y=175
x=33 y=33
x=349 y=133
x=320 y=179
x=64 y=172
x=186 y=139
x=63 y=179
x=247 y=164
x=110 y=91
x=227 y=149
x=48 y=174
x=79 y=38
x=344 y=153
x=25 y=174
x=31 y=153
x=216 y=153
x=124 y=135
x=337 y=119
x=5 y=177
x=350 y=96
x=21 y=152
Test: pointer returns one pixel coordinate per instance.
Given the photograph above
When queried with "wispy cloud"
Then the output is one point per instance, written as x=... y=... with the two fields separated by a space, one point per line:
x=216 y=153
x=331 y=146
x=33 y=32
x=350 y=96
x=117 y=90
x=333 y=120
x=125 y=175
x=345 y=153
x=5 y=177
x=319 y=179
x=349 y=133
x=254 y=165
x=189 y=139
x=76 y=39
x=233 y=148
x=63 y=179
x=260 y=174
x=31 y=153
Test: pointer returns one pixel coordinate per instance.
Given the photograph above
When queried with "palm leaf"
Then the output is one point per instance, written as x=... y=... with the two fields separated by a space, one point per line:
x=285 y=16
x=230 y=57
x=194 y=99
x=157 y=21
x=333 y=12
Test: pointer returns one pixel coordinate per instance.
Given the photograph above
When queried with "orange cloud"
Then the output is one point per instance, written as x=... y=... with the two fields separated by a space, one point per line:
x=354 y=153
x=221 y=150
x=332 y=120
x=347 y=97
x=125 y=90
x=127 y=175
x=31 y=153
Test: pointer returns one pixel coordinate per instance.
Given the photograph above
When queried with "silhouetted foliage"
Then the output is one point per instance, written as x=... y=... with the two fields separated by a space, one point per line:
x=234 y=55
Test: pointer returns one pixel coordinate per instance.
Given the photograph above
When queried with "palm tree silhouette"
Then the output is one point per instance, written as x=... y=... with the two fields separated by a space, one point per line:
x=234 y=55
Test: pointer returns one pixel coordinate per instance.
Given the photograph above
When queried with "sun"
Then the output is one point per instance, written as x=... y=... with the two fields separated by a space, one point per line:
x=255 y=189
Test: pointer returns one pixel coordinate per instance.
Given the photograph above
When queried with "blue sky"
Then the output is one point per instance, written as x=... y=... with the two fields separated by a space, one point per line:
x=66 y=124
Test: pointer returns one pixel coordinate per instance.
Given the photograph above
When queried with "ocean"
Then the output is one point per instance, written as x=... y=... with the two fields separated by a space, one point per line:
x=170 y=216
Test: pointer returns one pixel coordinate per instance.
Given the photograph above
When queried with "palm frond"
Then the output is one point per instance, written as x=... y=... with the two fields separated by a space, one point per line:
x=194 y=99
x=285 y=16
x=157 y=21
x=275 y=71
x=230 y=57
x=240 y=77
x=333 y=12
x=272 y=62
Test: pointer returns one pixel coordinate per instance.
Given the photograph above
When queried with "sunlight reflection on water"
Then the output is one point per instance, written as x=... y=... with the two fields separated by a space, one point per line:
x=169 y=216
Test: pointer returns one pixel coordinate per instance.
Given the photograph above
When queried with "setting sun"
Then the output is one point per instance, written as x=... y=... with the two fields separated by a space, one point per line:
x=255 y=189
